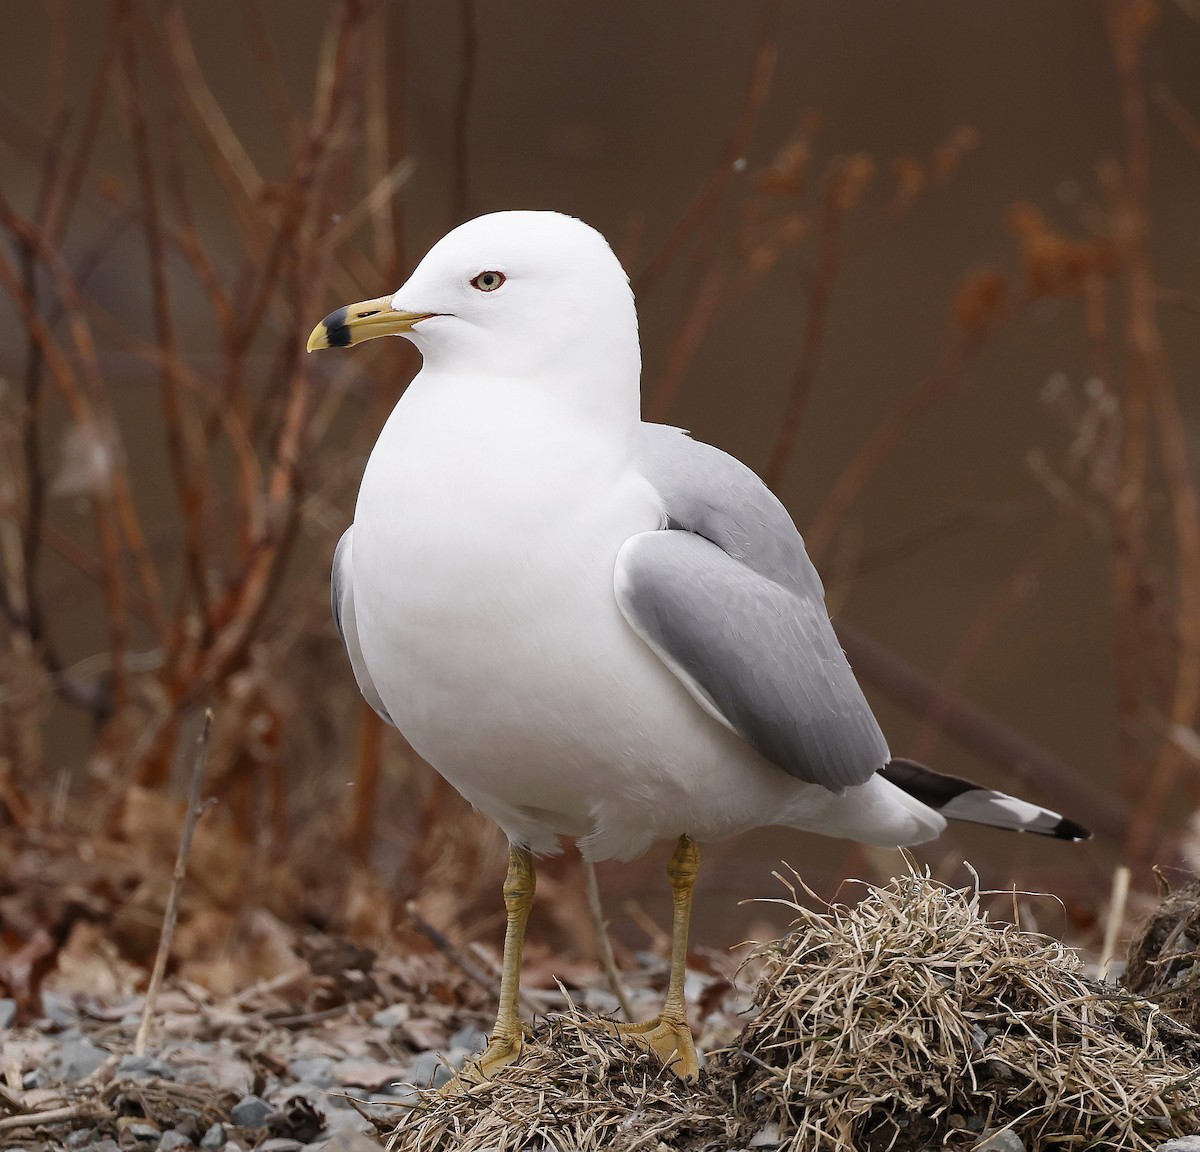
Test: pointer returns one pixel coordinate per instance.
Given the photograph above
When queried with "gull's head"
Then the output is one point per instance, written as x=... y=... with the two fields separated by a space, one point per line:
x=520 y=294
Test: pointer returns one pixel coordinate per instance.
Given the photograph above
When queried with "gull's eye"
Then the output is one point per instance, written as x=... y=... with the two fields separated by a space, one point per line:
x=488 y=281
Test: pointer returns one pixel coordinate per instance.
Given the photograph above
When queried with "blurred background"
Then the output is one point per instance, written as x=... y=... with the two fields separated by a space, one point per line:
x=930 y=268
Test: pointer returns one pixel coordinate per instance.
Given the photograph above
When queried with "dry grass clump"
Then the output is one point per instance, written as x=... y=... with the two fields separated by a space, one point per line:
x=575 y=1087
x=907 y=1022
x=910 y=1021
x=1163 y=958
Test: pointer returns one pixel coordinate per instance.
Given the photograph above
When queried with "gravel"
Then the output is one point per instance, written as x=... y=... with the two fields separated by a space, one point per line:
x=250 y=1112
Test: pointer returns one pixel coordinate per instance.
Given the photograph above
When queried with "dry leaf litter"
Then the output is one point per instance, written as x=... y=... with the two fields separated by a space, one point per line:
x=907 y=1021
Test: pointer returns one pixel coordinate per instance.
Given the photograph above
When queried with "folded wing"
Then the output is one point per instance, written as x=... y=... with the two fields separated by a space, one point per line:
x=728 y=599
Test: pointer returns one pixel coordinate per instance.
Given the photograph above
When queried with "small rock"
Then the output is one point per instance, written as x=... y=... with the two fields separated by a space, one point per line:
x=38 y=1078
x=998 y=1140
x=143 y=1068
x=428 y=1070
x=250 y=1112
x=470 y=1038
x=214 y=1138
x=391 y=1017
x=766 y=1137
x=8 y=1011
x=280 y=1144
x=1181 y=1144
x=76 y=1060
x=79 y=1137
x=139 y=1132
x=105 y=1145
x=348 y=1141
x=174 y=1140
x=315 y=1070
x=60 y=1011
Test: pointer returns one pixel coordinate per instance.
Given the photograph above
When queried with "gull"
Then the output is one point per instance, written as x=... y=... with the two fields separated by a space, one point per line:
x=594 y=627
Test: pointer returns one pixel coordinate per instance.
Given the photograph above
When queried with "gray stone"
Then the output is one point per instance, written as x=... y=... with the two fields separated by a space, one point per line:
x=174 y=1140
x=1182 y=1144
x=315 y=1070
x=8 y=1011
x=280 y=1144
x=348 y=1141
x=79 y=1138
x=37 y=1078
x=214 y=1138
x=76 y=1060
x=59 y=1010
x=470 y=1038
x=143 y=1068
x=766 y=1137
x=105 y=1145
x=429 y=1070
x=141 y=1131
x=391 y=1017
x=999 y=1140
x=250 y=1112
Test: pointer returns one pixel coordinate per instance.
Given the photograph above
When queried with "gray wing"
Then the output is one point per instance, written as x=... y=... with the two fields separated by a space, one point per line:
x=729 y=600
x=341 y=595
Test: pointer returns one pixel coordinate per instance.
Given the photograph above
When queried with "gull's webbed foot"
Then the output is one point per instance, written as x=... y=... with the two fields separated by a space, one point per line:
x=668 y=1037
x=502 y=1050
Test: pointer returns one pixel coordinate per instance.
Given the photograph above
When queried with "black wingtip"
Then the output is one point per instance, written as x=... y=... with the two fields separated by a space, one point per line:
x=1068 y=830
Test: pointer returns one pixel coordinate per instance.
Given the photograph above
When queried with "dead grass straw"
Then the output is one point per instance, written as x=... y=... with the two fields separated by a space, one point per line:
x=906 y=1021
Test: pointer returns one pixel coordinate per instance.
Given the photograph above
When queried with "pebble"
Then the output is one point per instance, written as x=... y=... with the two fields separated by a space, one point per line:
x=38 y=1078
x=428 y=1070
x=60 y=1010
x=999 y=1140
x=314 y=1070
x=79 y=1137
x=250 y=1112
x=1182 y=1144
x=470 y=1038
x=143 y=1068
x=8 y=1011
x=391 y=1017
x=214 y=1138
x=347 y=1141
x=280 y=1144
x=174 y=1140
x=77 y=1059
x=138 y=1132
x=766 y=1137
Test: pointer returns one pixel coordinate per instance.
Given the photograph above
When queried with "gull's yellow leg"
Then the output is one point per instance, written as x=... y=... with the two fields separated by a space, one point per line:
x=508 y=1035
x=668 y=1033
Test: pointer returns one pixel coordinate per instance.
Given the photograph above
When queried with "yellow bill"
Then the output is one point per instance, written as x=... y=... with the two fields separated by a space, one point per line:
x=355 y=323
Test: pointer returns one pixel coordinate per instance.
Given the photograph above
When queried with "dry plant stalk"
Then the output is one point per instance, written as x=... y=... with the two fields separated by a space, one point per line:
x=195 y=809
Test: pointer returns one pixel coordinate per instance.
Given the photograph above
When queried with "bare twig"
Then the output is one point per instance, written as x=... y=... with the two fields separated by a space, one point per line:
x=596 y=908
x=1115 y=918
x=84 y=1110
x=195 y=810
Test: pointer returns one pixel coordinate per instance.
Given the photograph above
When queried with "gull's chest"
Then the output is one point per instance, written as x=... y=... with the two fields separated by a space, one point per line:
x=483 y=573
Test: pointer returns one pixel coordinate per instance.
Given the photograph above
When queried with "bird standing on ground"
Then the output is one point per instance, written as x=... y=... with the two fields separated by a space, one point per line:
x=591 y=626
